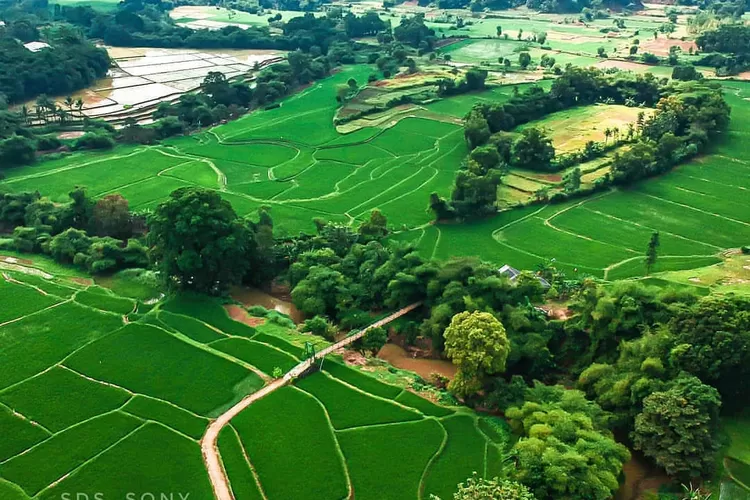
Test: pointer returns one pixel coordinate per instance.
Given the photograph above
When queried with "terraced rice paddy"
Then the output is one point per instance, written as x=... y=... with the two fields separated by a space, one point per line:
x=350 y=432
x=292 y=160
x=91 y=402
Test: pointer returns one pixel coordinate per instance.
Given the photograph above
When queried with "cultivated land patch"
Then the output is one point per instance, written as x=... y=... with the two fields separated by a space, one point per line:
x=571 y=129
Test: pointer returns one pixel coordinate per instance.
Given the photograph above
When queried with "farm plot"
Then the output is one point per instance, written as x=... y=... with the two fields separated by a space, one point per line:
x=153 y=458
x=59 y=398
x=127 y=359
x=289 y=441
x=571 y=129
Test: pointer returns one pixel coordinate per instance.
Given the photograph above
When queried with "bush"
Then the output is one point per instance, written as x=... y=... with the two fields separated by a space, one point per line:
x=319 y=325
x=93 y=140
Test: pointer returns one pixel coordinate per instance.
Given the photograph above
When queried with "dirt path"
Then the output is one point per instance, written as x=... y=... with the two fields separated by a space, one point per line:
x=209 y=448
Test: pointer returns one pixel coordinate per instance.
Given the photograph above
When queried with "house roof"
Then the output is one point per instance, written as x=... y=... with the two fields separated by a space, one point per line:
x=36 y=46
x=512 y=273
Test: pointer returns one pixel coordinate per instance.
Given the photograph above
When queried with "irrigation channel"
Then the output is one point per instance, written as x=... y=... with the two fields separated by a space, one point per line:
x=211 y=457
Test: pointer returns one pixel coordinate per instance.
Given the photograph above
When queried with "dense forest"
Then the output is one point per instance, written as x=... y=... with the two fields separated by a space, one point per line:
x=727 y=48
x=69 y=64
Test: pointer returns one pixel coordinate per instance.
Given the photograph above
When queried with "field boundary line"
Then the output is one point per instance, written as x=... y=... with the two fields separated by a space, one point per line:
x=77 y=424
x=249 y=463
x=521 y=250
x=696 y=209
x=209 y=443
x=36 y=312
x=73 y=167
x=587 y=238
x=339 y=451
x=83 y=464
x=437 y=242
x=91 y=379
x=711 y=181
x=384 y=192
x=23 y=417
x=638 y=224
x=408 y=193
x=668 y=257
x=374 y=396
x=206 y=348
x=514 y=222
x=431 y=461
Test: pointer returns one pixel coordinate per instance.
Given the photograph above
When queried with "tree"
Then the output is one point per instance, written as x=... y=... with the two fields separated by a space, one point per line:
x=17 y=150
x=373 y=341
x=111 y=217
x=678 y=428
x=601 y=52
x=565 y=449
x=519 y=34
x=198 y=242
x=541 y=37
x=532 y=150
x=376 y=228
x=477 y=344
x=319 y=325
x=633 y=50
x=524 y=59
x=651 y=251
x=499 y=30
x=478 y=488
x=476 y=130
x=572 y=180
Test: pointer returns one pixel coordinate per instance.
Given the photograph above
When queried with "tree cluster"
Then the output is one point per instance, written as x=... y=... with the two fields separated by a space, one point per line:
x=69 y=64
x=95 y=236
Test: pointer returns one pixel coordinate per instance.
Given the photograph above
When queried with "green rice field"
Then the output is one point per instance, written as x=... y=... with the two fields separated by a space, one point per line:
x=292 y=160
x=92 y=402
x=343 y=430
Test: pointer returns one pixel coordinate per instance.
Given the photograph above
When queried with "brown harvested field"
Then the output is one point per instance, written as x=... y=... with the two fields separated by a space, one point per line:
x=625 y=65
x=660 y=46
x=239 y=314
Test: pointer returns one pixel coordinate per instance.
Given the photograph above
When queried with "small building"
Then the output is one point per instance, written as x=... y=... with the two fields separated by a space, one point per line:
x=36 y=46
x=512 y=273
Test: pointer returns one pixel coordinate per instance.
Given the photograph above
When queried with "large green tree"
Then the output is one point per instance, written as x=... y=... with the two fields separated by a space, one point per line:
x=198 y=242
x=677 y=428
x=477 y=344
x=566 y=451
x=533 y=150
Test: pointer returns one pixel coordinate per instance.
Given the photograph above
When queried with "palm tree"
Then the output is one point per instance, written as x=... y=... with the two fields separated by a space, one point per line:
x=63 y=115
x=631 y=131
x=25 y=114
x=641 y=118
x=607 y=133
x=69 y=102
x=616 y=133
x=79 y=106
x=40 y=114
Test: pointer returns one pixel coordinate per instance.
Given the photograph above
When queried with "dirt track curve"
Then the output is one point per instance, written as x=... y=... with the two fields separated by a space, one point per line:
x=211 y=457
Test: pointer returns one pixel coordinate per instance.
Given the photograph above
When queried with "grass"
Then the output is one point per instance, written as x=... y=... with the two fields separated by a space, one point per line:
x=282 y=344
x=54 y=287
x=462 y=455
x=60 y=398
x=173 y=417
x=240 y=476
x=105 y=302
x=572 y=128
x=354 y=377
x=20 y=300
x=139 y=284
x=153 y=459
x=350 y=408
x=129 y=357
x=63 y=452
x=209 y=311
x=37 y=342
x=426 y=407
x=264 y=358
x=18 y=434
x=295 y=436
x=190 y=327
x=387 y=462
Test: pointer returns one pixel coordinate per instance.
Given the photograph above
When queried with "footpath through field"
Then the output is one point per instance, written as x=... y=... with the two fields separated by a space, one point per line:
x=211 y=458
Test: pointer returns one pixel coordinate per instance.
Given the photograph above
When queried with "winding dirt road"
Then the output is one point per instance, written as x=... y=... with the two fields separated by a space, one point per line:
x=211 y=457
